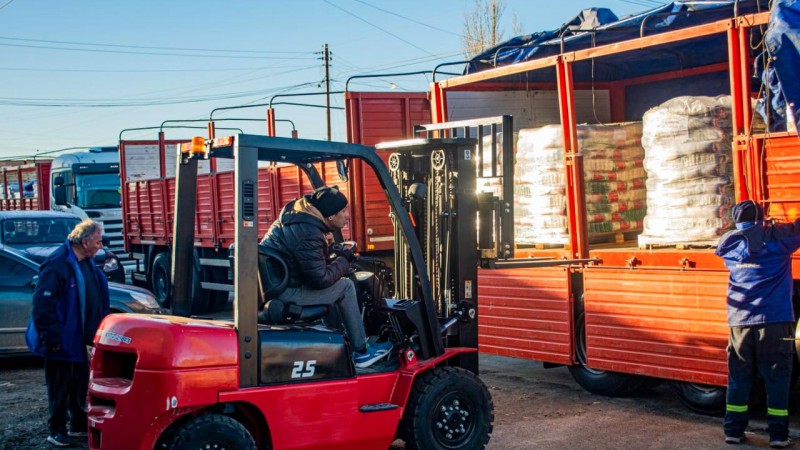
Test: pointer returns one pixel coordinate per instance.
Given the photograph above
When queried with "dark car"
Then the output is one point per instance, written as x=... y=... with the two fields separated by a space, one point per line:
x=38 y=233
x=18 y=277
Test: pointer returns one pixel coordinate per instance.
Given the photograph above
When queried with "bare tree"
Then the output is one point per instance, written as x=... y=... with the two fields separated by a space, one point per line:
x=482 y=26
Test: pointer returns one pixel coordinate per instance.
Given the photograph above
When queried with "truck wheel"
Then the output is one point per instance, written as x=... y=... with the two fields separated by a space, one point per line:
x=213 y=431
x=601 y=382
x=448 y=408
x=702 y=398
x=160 y=280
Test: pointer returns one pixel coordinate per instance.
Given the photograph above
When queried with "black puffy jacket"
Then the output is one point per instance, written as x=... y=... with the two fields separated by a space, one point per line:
x=299 y=236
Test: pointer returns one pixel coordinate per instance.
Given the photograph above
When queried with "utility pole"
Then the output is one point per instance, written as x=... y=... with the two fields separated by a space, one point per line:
x=327 y=90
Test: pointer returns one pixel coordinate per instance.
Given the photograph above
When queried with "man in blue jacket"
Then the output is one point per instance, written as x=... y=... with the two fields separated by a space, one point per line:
x=70 y=300
x=761 y=318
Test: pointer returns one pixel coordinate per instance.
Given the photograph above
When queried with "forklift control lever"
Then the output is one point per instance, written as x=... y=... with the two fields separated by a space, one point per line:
x=465 y=312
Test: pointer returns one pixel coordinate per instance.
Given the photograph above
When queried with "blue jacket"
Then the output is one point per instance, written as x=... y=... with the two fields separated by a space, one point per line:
x=758 y=257
x=59 y=307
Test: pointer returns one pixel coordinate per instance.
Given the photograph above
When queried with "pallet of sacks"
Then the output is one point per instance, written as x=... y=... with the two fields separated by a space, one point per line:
x=614 y=175
x=687 y=143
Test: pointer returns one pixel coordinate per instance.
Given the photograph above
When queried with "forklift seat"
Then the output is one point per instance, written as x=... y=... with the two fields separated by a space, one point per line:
x=273 y=276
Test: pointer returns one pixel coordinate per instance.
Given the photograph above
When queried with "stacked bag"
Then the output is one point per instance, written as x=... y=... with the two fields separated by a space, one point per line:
x=687 y=143
x=613 y=161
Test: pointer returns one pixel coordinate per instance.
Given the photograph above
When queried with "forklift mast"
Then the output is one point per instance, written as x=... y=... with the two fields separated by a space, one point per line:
x=458 y=191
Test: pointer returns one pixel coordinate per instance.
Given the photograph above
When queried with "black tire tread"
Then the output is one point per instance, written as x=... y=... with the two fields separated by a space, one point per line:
x=423 y=387
x=200 y=426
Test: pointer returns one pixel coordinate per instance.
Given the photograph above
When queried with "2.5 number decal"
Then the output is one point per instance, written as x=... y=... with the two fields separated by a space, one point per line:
x=304 y=369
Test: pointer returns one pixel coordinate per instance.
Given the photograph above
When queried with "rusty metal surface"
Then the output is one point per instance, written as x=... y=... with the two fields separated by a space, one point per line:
x=525 y=313
x=662 y=323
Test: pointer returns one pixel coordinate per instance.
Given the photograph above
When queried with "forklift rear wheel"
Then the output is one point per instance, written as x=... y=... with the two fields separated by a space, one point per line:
x=601 y=382
x=160 y=279
x=213 y=431
x=449 y=408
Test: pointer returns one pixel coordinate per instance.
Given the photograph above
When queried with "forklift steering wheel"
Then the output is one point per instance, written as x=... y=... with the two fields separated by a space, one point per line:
x=349 y=245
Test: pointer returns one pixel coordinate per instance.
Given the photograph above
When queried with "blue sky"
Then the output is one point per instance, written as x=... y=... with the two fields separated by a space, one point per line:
x=179 y=59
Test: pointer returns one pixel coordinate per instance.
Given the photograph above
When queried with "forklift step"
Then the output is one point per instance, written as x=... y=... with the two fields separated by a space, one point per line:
x=377 y=407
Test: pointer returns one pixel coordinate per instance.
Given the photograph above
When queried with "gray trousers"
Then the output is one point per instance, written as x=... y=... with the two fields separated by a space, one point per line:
x=342 y=291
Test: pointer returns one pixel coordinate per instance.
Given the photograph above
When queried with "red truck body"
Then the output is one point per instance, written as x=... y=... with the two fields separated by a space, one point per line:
x=148 y=190
x=17 y=175
x=658 y=311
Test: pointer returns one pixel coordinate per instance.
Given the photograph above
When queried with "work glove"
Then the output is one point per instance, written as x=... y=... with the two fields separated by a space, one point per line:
x=345 y=253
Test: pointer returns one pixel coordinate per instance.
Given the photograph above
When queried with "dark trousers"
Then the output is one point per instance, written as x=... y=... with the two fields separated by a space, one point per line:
x=765 y=350
x=67 y=387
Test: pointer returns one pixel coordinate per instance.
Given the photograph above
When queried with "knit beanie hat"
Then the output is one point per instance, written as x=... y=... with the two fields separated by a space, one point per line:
x=747 y=211
x=328 y=200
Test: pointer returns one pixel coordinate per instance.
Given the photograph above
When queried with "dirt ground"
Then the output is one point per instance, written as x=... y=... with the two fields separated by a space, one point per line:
x=534 y=408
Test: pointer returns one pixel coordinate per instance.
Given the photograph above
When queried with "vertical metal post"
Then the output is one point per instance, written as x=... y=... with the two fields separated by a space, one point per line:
x=183 y=235
x=465 y=256
x=271 y=131
x=573 y=161
x=506 y=243
x=245 y=269
x=327 y=91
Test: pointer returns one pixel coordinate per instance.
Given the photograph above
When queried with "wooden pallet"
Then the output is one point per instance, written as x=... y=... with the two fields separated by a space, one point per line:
x=680 y=245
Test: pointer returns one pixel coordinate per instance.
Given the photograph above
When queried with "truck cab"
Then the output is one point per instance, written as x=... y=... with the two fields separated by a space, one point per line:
x=87 y=184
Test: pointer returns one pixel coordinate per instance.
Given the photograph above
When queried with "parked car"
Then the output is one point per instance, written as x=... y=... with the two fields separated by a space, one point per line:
x=38 y=233
x=18 y=277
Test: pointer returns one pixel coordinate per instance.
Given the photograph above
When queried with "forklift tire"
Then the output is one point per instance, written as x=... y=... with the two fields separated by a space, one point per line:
x=448 y=408
x=213 y=431
x=600 y=382
x=160 y=282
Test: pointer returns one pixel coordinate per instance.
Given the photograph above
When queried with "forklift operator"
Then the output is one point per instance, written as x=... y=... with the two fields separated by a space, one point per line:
x=316 y=277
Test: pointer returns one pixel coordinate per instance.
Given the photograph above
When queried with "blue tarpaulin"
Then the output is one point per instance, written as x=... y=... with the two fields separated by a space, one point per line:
x=600 y=26
x=782 y=44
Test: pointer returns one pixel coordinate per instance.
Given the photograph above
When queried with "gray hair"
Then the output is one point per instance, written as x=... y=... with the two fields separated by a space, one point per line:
x=86 y=229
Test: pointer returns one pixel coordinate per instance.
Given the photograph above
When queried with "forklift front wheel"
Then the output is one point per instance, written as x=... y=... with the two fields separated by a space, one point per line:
x=213 y=431
x=449 y=408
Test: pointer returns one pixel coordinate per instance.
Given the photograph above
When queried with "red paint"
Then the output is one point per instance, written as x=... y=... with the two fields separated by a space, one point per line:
x=195 y=363
x=20 y=172
x=374 y=117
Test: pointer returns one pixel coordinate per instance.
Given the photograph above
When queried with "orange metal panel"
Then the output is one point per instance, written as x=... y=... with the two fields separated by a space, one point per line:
x=374 y=117
x=525 y=313
x=661 y=323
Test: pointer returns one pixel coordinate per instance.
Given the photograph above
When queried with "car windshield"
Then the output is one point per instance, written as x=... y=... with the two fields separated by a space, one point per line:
x=37 y=230
x=98 y=190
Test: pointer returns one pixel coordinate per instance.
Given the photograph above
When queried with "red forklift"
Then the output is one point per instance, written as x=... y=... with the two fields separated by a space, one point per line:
x=286 y=380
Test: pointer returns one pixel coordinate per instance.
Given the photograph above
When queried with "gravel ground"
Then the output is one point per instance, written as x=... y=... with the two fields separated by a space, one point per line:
x=534 y=408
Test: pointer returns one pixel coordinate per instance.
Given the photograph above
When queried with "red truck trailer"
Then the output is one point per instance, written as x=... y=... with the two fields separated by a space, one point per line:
x=148 y=189
x=25 y=186
x=619 y=308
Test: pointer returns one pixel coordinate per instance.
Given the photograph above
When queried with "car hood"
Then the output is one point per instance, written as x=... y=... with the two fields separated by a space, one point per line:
x=39 y=252
x=36 y=252
x=125 y=298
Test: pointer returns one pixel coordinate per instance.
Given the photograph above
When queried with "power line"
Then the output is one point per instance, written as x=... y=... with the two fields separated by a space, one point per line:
x=94 y=50
x=409 y=19
x=6 y=4
x=377 y=27
x=231 y=69
x=182 y=49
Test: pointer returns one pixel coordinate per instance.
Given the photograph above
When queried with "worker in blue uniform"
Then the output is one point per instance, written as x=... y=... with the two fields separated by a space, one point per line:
x=761 y=318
